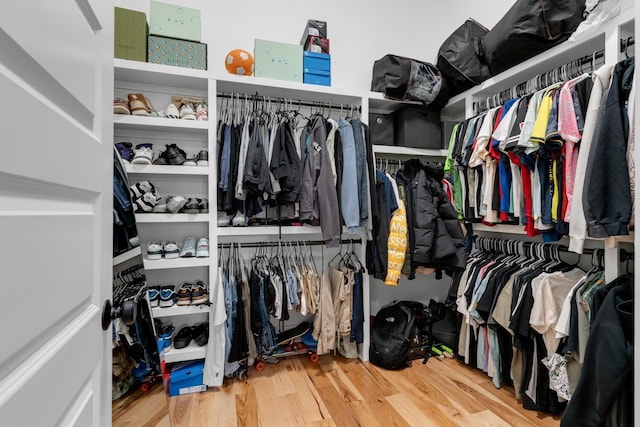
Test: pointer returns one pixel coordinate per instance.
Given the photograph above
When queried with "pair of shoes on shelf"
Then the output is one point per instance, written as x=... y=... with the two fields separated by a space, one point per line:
x=172 y=155
x=238 y=220
x=192 y=248
x=190 y=108
x=159 y=250
x=198 y=333
x=144 y=196
x=192 y=294
x=196 y=205
x=200 y=159
x=136 y=104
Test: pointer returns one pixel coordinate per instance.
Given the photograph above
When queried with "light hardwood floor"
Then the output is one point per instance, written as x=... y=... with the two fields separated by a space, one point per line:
x=338 y=392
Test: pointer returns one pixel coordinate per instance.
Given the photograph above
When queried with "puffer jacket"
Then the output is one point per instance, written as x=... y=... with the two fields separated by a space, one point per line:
x=436 y=239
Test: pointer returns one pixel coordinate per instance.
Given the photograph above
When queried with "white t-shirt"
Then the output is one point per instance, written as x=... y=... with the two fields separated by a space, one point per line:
x=214 y=356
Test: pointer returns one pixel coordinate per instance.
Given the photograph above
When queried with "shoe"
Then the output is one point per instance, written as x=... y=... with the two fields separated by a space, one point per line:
x=187 y=111
x=201 y=334
x=126 y=151
x=203 y=158
x=146 y=203
x=184 y=294
x=138 y=104
x=174 y=155
x=175 y=203
x=239 y=220
x=203 y=205
x=154 y=250
x=142 y=155
x=199 y=294
x=191 y=207
x=167 y=296
x=191 y=160
x=188 y=247
x=161 y=205
x=139 y=189
x=183 y=337
x=223 y=219
x=160 y=158
x=163 y=330
x=202 y=248
x=172 y=112
x=171 y=250
x=121 y=106
x=201 y=112
x=154 y=295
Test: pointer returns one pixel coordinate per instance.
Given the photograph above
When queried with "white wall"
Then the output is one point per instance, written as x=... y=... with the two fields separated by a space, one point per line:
x=360 y=31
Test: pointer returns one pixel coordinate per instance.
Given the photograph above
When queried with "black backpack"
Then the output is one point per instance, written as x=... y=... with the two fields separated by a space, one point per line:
x=391 y=336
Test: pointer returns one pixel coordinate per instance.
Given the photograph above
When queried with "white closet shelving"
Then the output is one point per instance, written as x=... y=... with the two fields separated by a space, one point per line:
x=158 y=83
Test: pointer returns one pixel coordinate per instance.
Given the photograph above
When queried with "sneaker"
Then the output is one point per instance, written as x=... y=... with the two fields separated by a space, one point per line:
x=172 y=112
x=163 y=330
x=199 y=294
x=175 y=203
x=126 y=151
x=201 y=334
x=142 y=155
x=154 y=295
x=146 y=203
x=183 y=337
x=191 y=207
x=174 y=155
x=201 y=112
x=184 y=294
x=161 y=205
x=160 y=158
x=171 y=250
x=154 y=250
x=191 y=160
x=203 y=158
x=203 y=205
x=239 y=220
x=188 y=247
x=140 y=188
x=187 y=111
x=202 y=248
x=223 y=219
x=121 y=106
x=167 y=296
x=138 y=104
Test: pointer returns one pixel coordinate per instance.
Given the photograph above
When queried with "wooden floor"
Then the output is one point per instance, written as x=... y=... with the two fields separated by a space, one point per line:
x=338 y=392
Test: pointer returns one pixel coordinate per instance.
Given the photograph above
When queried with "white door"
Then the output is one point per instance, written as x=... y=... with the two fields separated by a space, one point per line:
x=56 y=89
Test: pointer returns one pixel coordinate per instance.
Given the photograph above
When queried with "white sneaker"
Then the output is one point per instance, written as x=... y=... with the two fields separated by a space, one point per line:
x=171 y=250
x=172 y=111
x=146 y=203
x=239 y=220
x=223 y=219
x=187 y=112
x=142 y=156
x=161 y=205
x=202 y=249
x=192 y=160
x=154 y=250
x=175 y=203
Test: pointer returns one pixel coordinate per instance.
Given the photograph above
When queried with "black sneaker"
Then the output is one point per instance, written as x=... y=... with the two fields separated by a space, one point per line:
x=161 y=159
x=203 y=205
x=203 y=158
x=201 y=334
x=191 y=206
x=184 y=294
x=199 y=293
x=175 y=155
x=183 y=337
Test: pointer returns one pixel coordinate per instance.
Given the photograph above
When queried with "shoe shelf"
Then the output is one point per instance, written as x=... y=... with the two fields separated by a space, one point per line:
x=179 y=310
x=259 y=231
x=150 y=218
x=394 y=150
x=163 y=264
x=122 y=121
x=126 y=256
x=519 y=229
x=167 y=169
x=160 y=75
x=191 y=352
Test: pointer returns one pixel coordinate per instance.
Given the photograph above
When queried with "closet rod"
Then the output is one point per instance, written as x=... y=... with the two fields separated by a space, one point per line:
x=294 y=102
x=270 y=244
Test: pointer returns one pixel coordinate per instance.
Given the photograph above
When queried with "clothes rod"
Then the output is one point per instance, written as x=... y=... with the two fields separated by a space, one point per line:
x=284 y=242
x=294 y=103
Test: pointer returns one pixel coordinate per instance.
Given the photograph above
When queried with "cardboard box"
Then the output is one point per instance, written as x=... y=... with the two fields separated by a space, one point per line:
x=417 y=127
x=381 y=128
x=130 y=35
x=317 y=77
x=314 y=28
x=316 y=61
x=317 y=44
x=276 y=60
x=176 y=22
x=180 y=53
x=186 y=378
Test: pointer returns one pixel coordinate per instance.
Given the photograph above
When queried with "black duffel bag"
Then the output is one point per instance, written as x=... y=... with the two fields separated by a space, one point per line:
x=457 y=59
x=408 y=79
x=529 y=28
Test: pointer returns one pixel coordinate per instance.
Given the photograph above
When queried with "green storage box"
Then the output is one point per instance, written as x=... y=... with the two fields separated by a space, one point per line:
x=276 y=60
x=175 y=22
x=130 y=35
x=180 y=53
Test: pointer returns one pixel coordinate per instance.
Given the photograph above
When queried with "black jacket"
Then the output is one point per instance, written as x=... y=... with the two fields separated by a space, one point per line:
x=436 y=239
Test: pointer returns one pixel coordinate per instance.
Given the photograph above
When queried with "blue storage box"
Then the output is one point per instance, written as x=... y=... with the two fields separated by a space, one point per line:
x=316 y=61
x=186 y=378
x=317 y=77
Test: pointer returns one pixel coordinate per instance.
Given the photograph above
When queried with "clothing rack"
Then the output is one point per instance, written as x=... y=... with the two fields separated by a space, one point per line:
x=280 y=242
x=287 y=103
x=559 y=74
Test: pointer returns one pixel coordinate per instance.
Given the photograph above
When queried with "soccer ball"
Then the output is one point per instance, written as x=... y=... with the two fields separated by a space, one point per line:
x=239 y=62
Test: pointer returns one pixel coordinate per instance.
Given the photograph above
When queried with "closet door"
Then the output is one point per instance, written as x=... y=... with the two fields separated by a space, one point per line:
x=56 y=80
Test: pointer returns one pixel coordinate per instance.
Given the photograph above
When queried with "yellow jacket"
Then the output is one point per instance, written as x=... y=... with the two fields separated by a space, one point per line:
x=397 y=244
